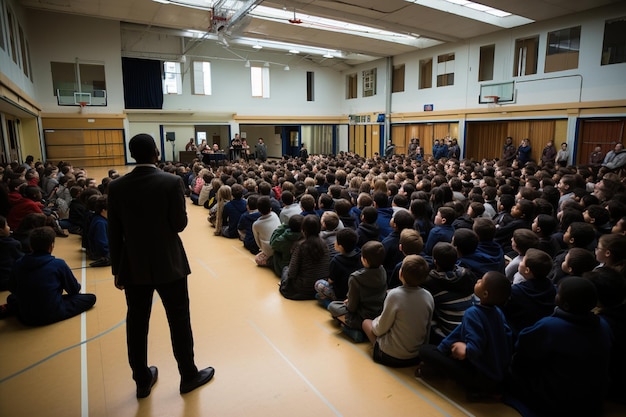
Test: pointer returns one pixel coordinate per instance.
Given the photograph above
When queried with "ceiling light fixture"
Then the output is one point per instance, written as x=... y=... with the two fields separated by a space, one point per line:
x=257 y=46
x=267 y=64
x=247 y=64
x=294 y=51
x=328 y=55
x=286 y=68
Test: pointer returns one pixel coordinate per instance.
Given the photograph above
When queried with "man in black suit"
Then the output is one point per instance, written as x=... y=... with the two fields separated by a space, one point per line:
x=146 y=211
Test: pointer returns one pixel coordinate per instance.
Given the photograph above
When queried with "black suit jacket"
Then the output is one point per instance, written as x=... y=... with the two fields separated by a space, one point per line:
x=146 y=211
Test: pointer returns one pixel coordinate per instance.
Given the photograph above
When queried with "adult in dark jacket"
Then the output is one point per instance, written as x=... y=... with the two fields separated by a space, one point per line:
x=146 y=212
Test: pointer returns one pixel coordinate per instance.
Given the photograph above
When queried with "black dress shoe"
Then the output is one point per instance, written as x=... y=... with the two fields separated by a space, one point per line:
x=202 y=378
x=143 y=392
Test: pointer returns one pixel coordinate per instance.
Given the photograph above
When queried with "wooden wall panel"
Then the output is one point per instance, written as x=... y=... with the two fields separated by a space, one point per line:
x=603 y=132
x=86 y=147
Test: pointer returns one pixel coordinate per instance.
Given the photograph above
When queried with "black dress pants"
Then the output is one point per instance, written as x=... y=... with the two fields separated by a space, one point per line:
x=175 y=299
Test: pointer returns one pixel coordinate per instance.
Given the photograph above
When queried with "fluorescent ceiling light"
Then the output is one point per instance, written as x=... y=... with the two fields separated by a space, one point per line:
x=328 y=55
x=321 y=23
x=287 y=47
x=294 y=51
x=475 y=11
x=194 y=4
x=257 y=46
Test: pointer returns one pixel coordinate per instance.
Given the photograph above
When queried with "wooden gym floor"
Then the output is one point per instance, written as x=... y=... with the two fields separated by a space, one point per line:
x=273 y=357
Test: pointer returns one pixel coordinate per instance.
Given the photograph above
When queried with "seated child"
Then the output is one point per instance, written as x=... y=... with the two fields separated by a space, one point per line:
x=523 y=239
x=244 y=227
x=577 y=235
x=474 y=210
x=368 y=228
x=523 y=215
x=410 y=244
x=309 y=263
x=403 y=326
x=367 y=288
x=533 y=298
x=38 y=282
x=342 y=208
x=330 y=226
x=577 y=262
x=443 y=230
x=363 y=200
x=452 y=287
x=544 y=227
x=611 y=251
x=233 y=210
x=98 y=234
x=505 y=204
x=10 y=251
x=307 y=204
x=478 y=352
x=283 y=240
x=400 y=221
x=262 y=230
x=543 y=376
x=342 y=265
x=611 y=308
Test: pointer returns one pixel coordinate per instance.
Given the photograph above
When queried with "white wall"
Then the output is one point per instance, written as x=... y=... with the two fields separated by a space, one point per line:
x=589 y=82
x=66 y=38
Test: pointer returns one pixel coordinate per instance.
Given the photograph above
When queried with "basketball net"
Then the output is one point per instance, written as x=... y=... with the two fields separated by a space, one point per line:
x=82 y=106
x=493 y=101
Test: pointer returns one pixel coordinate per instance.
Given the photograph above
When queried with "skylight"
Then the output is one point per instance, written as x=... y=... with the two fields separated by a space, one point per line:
x=321 y=23
x=476 y=11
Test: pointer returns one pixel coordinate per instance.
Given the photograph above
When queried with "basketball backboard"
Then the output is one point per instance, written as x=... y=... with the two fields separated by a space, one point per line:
x=505 y=92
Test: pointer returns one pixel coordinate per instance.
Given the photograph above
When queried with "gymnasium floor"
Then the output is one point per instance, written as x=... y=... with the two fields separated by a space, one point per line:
x=273 y=357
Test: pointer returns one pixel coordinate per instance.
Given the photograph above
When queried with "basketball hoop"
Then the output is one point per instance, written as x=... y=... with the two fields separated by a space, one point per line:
x=493 y=100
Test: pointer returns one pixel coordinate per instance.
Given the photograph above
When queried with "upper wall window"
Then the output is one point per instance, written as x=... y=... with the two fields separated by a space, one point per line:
x=78 y=82
x=426 y=73
x=260 y=79
x=12 y=36
x=172 y=80
x=2 y=42
x=562 y=49
x=202 y=78
x=445 y=70
x=526 y=54
x=614 y=45
x=397 y=79
x=486 y=62
x=369 y=82
x=351 y=86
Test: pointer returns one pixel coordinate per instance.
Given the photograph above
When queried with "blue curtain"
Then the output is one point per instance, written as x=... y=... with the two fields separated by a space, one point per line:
x=143 y=85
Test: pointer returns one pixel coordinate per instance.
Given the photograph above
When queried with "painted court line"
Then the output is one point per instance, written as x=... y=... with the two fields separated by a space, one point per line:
x=205 y=266
x=84 y=378
x=306 y=381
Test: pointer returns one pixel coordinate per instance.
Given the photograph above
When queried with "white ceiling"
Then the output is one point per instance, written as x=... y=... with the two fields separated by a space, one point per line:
x=392 y=15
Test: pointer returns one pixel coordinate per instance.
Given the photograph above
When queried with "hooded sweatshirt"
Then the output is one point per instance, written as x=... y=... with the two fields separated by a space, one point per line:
x=38 y=282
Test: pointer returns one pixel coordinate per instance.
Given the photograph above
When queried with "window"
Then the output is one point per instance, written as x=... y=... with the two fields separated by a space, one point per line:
x=526 y=53
x=260 y=78
x=2 y=44
x=202 y=78
x=397 y=79
x=23 y=51
x=369 y=82
x=310 y=86
x=426 y=73
x=445 y=70
x=485 y=64
x=562 y=49
x=30 y=66
x=351 y=86
x=614 y=45
x=12 y=36
x=74 y=82
x=172 y=80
